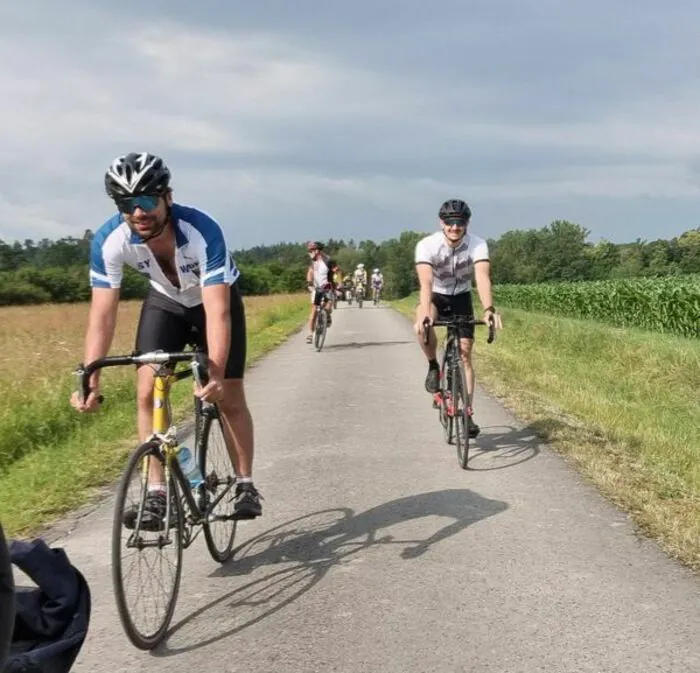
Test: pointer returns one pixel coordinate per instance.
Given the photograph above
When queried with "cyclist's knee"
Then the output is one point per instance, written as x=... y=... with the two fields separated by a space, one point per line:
x=465 y=347
x=234 y=401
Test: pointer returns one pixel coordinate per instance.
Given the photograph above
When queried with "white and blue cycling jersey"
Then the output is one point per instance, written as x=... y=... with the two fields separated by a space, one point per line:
x=201 y=256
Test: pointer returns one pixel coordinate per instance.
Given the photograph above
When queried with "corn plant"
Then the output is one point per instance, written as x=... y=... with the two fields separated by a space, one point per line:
x=670 y=304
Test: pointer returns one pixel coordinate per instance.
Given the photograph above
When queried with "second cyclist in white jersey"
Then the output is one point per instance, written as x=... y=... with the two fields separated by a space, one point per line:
x=447 y=262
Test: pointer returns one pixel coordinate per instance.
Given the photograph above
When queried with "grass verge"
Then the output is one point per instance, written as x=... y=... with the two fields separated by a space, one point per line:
x=53 y=459
x=620 y=404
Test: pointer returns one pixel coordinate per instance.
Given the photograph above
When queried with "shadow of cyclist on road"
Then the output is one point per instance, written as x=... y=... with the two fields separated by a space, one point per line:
x=500 y=447
x=354 y=345
x=295 y=556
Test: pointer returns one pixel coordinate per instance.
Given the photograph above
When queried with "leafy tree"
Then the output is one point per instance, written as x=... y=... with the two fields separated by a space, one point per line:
x=34 y=272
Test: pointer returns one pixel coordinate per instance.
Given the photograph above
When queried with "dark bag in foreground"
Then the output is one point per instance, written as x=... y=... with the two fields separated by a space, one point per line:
x=51 y=619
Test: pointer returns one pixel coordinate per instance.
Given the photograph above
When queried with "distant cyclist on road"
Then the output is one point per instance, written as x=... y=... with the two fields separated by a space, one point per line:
x=320 y=278
x=377 y=282
x=193 y=278
x=347 y=286
x=360 y=280
x=446 y=263
x=337 y=276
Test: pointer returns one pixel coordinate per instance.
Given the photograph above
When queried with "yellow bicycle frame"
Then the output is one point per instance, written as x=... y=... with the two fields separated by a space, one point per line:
x=161 y=418
x=161 y=406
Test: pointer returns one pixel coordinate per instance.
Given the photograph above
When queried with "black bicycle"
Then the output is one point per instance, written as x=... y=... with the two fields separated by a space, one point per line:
x=154 y=544
x=452 y=400
x=360 y=294
x=321 y=319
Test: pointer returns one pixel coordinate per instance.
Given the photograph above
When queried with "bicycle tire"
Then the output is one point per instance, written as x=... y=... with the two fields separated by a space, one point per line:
x=460 y=402
x=445 y=419
x=321 y=327
x=221 y=554
x=197 y=420
x=141 y=640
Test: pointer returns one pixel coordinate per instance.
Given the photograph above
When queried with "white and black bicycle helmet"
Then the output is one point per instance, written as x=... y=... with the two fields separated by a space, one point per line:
x=135 y=174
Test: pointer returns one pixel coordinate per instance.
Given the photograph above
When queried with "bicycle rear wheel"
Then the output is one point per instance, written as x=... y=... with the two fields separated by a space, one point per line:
x=219 y=479
x=156 y=551
x=321 y=327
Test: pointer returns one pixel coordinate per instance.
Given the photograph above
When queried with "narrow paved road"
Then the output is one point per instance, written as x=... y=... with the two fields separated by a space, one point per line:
x=377 y=553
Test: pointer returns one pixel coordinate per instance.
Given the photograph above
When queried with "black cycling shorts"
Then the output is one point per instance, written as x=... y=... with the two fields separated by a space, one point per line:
x=167 y=325
x=320 y=296
x=449 y=305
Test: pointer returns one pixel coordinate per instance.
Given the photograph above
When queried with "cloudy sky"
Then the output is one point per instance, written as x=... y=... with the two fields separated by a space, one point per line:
x=297 y=119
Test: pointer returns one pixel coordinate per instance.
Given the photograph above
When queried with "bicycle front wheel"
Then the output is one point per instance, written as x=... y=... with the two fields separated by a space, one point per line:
x=460 y=402
x=219 y=482
x=446 y=417
x=321 y=327
x=146 y=552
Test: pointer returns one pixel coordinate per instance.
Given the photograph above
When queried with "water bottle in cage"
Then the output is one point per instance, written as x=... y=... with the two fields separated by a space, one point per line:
x=188 y=464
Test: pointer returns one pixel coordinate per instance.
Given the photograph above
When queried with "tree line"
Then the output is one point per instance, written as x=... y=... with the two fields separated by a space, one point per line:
x=57 y=271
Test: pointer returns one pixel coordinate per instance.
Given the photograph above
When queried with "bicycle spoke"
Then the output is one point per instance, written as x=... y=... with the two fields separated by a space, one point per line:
x=216 y=467
x=146 y=562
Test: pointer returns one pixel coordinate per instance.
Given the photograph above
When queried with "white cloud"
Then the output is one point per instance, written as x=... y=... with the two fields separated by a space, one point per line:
x=210 y=99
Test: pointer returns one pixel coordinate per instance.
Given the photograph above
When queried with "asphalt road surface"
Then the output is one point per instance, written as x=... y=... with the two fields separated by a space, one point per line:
x=377 y=553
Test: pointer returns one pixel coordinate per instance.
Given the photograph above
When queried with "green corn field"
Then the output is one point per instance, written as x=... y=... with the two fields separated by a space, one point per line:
x=670 y=304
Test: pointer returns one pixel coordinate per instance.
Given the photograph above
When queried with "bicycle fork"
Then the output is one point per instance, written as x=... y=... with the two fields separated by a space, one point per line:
x=167 y=439
x=447 y=401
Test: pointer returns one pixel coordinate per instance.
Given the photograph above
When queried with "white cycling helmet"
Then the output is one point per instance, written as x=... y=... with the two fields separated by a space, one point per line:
x=360 y=266
x=376 y=271
x=136 y=174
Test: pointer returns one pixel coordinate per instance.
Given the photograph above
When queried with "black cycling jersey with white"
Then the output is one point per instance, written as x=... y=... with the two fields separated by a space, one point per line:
x=453 y=268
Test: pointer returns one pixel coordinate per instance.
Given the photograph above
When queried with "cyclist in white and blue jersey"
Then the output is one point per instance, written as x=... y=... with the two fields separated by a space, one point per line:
x=192 y=274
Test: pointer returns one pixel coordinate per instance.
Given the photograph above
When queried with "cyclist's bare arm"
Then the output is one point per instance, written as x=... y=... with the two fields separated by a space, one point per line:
x=217 y=309
x=482 y=276
x=425 y=278
x=102 y=322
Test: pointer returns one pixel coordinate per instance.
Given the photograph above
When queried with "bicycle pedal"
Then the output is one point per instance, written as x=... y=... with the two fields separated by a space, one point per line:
x=240 y=516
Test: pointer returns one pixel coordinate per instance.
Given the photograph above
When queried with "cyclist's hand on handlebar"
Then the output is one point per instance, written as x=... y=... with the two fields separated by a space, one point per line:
x=92 y=403
x=212 y=392
x=421 y=321
x=490 y=316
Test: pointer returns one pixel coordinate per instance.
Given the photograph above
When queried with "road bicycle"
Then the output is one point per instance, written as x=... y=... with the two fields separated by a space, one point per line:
x=452 y=400
x=359 y=294
x=375 y=295
x=321 y=320
x=349 y=290
x=204 y=505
